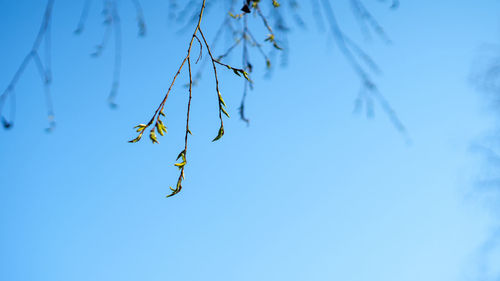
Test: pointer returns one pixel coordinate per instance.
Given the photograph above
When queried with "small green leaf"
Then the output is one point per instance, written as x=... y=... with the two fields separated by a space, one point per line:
x=180 y=165
x=246 y=75
x=174 y=192
x=177 y=188
x=159 y=129
x=181 y=154
x=221 y=100
x=152 y=136
x=136 y=139
x=221 y=133
x=268 y=63
x=225 y=112
x=270 y=38
x=140 y=127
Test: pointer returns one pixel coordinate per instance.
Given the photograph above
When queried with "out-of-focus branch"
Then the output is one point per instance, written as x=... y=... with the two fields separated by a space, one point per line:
x=354 y=54
x=43 y=70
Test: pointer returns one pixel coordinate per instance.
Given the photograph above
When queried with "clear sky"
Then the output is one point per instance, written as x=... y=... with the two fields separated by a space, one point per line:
x=309 y=191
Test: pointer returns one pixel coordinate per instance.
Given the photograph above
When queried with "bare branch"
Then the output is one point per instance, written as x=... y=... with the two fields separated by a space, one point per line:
x=44 y=72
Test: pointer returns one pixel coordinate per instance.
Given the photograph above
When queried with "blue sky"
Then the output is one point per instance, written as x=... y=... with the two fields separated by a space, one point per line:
x=309 y=191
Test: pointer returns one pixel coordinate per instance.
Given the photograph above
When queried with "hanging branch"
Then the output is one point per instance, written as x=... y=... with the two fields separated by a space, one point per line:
x=112 y=26
x=193 y=15
x=282 y=29
x=185 y=11
x=108 y=28
x=294 y=6
x=369 y=89
x=172 y=9
x=157 y=124
x=271 y=37
x=367 y=21
x=115 y=20
x=141 y=23
x=83 y=17
x=43 y=70
x=245 y=39
x=248 y=67
x=362 y=64
x=225 y=26
x=317 y=15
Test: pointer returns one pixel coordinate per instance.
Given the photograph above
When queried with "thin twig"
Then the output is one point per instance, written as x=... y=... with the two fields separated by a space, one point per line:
x=44 y=72
x=83 y=17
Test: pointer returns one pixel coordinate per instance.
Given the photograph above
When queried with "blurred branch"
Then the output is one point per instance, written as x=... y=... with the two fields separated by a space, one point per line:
x=43 y=70
x=369 y=90
x=83 y=17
